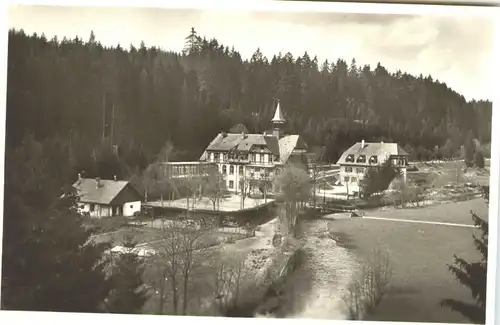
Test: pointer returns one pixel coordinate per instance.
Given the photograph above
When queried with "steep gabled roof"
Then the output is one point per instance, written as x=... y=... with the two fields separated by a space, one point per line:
x=287 y=144
x=240 y=142
x=381 y=150
x=104 y=194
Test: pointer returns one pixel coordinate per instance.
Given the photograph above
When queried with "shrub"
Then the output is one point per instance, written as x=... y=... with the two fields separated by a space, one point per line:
x=377 y=179
x=479 y=159
x=365 y=293
x=404 y=194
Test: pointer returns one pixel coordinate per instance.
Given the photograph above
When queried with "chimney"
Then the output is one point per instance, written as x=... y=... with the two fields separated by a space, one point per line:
x=98 y=182
x=224 y=134
x=79 y=176
x=362 y=144
x=114 y=177
x=243 y=135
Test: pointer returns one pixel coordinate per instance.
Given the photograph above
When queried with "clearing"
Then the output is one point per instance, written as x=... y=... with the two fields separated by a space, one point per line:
x=419 y=255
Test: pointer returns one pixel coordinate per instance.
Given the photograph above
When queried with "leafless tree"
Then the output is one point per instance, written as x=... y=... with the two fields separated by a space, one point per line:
x=179 y=253
x=244 y=191
x=228 y=278
x=365 y=293
x=213 y=187
x=315 y=169
x=295 y=189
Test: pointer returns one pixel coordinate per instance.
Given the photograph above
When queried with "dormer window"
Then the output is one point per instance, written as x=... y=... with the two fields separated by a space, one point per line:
x=373 y=160
x=361 y=159
x=349 y=158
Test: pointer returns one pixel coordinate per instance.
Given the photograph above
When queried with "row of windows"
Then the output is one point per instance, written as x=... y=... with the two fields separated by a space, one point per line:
x=361 y=159
x=359 y=170
x=348 y=179
x=257 y=170
x=231 y=170
x=254 y=157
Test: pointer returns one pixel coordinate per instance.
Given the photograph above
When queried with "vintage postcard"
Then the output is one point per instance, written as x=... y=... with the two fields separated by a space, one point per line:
x=271 y=160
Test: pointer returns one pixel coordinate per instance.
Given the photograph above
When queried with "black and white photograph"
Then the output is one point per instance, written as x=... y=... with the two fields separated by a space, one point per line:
x=250 y=163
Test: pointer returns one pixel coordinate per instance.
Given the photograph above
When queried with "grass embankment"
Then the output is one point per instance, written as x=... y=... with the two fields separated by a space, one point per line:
x=419 y=254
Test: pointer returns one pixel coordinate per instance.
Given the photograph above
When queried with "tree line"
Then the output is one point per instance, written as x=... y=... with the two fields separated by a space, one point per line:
x=110 y=110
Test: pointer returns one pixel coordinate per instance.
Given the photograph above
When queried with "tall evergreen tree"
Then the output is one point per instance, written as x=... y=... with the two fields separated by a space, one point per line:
x=129 y=293
x=48 y=262
x=473 y=276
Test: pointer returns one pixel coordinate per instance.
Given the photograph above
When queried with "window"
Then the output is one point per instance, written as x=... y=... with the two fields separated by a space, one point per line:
x=231 y=184
x=346 y=179
x=224 y=169
x=131 y=206
x=373 y=159
x=348 y=169
x=361 y=159
x=360 y=170
x=270 y=158
x=349 y=158
x=257 y=170
x=353 y=179
x=266 y=158
x=241 y=170
x=92 y=207
x=257 y=158
x=212 y=156
x=216 y=156
x=231 y=170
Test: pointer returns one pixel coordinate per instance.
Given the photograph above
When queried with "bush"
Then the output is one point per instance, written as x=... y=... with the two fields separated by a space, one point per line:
x=479 y=159
x=377 y=179
x=365 y=293
x=405 y=195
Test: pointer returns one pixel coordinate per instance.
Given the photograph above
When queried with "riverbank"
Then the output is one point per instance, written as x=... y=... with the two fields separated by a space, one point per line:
x=419 y=254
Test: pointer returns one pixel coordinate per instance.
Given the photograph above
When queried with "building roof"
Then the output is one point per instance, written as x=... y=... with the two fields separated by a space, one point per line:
x=229 y=141
x=242 y=142
x=381 y=150
x=104 y=194
x=286 y=146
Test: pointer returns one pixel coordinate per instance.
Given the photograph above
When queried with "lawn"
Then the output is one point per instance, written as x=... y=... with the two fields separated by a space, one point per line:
x=419 y=256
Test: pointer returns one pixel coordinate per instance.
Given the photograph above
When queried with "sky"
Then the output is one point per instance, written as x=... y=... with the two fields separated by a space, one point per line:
x=457 y=50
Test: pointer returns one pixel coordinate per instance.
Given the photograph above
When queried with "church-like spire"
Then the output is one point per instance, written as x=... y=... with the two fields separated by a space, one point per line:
x=278 y=120
x=278 y=117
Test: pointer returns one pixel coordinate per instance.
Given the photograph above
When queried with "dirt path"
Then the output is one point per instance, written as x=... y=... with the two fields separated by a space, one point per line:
x=331 y=268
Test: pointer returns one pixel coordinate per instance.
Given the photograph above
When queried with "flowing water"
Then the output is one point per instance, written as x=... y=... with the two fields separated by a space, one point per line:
x=320 y=284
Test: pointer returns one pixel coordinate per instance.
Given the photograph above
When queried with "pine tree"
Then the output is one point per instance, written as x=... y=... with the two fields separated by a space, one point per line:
x=377 y=179
x=473 y=276
x=129 y=293
x=479 y=159
x=48 y=262
x=469 y=150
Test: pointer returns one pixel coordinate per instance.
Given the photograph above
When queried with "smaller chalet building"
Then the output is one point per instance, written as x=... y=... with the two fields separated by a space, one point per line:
x=105 y=198
x=362 y=155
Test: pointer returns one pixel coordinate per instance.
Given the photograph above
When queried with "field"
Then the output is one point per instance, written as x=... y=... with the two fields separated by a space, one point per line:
x=419 y=256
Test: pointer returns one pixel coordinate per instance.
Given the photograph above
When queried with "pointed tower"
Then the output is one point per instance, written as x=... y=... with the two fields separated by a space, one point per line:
x=277 y=121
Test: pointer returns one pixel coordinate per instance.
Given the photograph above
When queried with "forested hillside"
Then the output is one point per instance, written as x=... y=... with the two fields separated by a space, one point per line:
x=78 y=98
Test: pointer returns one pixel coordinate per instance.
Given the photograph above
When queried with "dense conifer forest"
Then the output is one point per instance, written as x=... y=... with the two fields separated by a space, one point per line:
x=110 y=110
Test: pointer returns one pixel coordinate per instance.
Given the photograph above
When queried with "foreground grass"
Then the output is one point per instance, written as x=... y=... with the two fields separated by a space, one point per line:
x=419 y=254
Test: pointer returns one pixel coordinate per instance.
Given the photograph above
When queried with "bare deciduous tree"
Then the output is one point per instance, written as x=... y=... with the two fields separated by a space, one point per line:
x=365 y=293
x=295 y=189
x=228 y=279
x=179 y=253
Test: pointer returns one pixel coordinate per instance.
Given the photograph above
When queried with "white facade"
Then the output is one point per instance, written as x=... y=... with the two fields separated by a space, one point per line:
x=101 y=210
x=130 y=208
